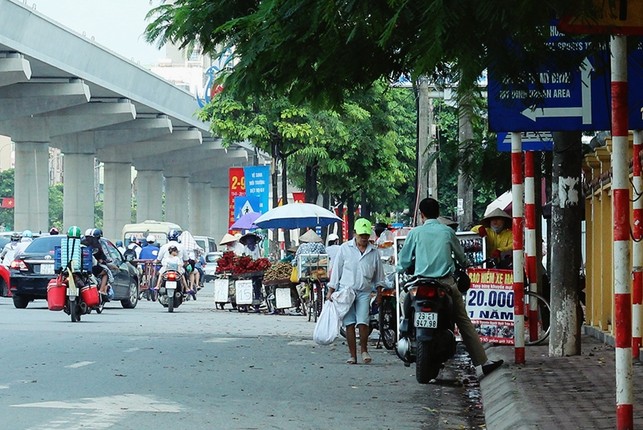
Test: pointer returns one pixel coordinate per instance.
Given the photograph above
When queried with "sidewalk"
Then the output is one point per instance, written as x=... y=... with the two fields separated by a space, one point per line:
x=555 y=393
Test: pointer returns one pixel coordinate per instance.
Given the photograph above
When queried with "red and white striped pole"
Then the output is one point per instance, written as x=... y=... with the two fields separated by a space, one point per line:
x=620 y=210
x=637 y=246
x=518 y=256
x=530 y=242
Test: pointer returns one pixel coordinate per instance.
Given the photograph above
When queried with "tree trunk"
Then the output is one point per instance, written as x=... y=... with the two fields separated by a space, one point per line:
x=350 y=208
x=311 y=185
x=284 y=193
x=565 y=247
x=365 y=211
x=465 y=191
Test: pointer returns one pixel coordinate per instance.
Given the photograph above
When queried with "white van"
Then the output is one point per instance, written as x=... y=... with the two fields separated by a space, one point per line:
x=141 y=230
x=207 y=243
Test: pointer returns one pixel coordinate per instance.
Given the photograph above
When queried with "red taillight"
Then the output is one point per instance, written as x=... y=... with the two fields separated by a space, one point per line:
x=171 y=276
x=19 y=265
x=426 y=291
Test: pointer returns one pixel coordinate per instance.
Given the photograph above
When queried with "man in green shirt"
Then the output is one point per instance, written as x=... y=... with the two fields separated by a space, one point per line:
x=432 y=247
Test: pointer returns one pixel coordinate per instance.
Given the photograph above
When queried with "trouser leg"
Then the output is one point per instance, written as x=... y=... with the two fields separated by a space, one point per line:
x=467 y=331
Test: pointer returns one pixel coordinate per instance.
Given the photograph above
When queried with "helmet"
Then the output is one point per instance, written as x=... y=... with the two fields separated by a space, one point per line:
x=88 y=232
x=119 y=243
x=173 y=235
x=150 y=238
x=27 y=233
x=97 y=233
x=332 y=237
x=134 y=239
x=53 y=230
x=15 y=236
x=403 y=350
x=74 y=231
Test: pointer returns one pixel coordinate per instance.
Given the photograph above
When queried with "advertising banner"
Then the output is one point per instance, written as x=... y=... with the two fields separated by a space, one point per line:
x=257 y=185
x=236 y=188
x=490 y=304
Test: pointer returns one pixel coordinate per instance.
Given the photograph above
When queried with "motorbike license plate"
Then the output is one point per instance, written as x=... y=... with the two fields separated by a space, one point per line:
x=426 y=319
x=170 y=284
x=47 y=269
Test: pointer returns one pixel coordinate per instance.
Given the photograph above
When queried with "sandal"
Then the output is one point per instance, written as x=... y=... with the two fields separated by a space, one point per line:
x=366 y=358
x=351 y=360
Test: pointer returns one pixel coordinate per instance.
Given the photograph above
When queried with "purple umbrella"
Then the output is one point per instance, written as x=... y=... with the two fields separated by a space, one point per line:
x=246 y=221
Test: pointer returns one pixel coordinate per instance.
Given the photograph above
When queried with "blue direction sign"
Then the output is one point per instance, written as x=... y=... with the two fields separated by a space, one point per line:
x=531 y=141
x=572 y=101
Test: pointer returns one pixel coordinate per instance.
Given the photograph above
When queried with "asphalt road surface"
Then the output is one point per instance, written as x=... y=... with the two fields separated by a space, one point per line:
x=201 y=368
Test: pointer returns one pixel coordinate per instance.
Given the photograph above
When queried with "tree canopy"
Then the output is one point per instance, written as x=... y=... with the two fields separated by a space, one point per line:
x=320 y=49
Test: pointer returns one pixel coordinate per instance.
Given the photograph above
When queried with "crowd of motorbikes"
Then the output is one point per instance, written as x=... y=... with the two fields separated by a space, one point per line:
x=75 y=289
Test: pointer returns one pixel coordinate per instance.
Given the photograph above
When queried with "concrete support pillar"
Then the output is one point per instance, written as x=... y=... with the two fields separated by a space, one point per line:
x=149 y=195
x=78 y=200
x=176 y=201
x=199 y=208
x=31 y=189
x=117 y=206
x=219 y=212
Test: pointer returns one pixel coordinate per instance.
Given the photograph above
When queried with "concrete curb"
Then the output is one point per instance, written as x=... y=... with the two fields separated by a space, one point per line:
x=502 y=401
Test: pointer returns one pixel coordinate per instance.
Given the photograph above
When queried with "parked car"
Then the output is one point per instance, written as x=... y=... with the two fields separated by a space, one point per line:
x=211 y=265
x=208 y=244
x=34 y=267
x=4 y=282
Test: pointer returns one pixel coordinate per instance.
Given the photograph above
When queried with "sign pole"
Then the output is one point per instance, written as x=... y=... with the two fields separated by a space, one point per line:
x=518 y=255
x=637 y=245
x=530 y=242
x=621 y=235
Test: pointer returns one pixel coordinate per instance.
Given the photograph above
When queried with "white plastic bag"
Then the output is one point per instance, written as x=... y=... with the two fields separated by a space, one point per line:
x=327 y=327
x=343 y=300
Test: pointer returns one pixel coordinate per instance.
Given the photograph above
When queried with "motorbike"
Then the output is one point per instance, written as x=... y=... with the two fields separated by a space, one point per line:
x=76 y=295
x=387 y=319
x=170 y=293
x=426 y=328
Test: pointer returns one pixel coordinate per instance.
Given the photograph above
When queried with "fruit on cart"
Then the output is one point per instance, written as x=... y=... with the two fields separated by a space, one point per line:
x=237 y=265
x=279 y=271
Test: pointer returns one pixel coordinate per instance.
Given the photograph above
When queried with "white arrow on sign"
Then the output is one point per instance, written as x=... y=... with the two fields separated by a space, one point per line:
x=584 y=110
x=104 y=411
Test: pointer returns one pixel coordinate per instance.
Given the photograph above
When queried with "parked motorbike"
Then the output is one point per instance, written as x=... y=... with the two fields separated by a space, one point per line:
x=387 y=319
x=170 y=293
x=426 y=329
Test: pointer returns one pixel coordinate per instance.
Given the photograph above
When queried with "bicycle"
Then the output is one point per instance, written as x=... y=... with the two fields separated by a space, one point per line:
x=148 y=280
x=312 y=292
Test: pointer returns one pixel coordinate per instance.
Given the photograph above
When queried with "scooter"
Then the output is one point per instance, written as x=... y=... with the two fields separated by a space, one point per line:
x=426 y=329
x=170 y=294
x=73 y=293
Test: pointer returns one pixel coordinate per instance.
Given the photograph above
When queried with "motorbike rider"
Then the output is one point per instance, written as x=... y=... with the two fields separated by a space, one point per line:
x=151 y=251
x=431 y=248
x=173 y=242
x=135 y=245
x=9 y=251
x=25 y=239
x=100 y=267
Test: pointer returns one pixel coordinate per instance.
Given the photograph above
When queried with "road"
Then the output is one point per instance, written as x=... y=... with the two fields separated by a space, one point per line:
x=202 y=368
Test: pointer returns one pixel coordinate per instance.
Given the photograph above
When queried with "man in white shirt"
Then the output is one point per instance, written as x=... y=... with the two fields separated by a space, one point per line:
x=358 y=266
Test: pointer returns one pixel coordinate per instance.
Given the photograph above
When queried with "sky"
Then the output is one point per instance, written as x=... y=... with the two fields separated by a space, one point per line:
x=114 y=24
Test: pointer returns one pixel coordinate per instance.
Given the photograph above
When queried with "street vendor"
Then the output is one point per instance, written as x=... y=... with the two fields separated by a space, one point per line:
x=250 y=242
x=309 y=243
x=230 y=242
x=496 y=229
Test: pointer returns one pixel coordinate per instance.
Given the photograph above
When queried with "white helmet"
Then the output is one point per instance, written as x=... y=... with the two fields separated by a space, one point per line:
x=150 y=238
x=331 y=237
x=403 y=350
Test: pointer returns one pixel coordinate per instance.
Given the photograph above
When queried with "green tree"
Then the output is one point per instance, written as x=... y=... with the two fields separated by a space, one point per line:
x=488 y=169
x=318 y=49
x=6 y=190
x=56 y=206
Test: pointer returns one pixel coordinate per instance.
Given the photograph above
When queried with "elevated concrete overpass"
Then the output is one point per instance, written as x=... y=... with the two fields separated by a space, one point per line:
x=60 y=89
